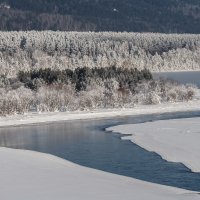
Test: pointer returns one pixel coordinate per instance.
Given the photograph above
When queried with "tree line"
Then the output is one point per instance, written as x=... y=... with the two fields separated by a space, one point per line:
x=82 y=77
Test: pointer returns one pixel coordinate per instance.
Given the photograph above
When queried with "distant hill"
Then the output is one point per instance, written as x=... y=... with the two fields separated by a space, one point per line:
x=181 y=16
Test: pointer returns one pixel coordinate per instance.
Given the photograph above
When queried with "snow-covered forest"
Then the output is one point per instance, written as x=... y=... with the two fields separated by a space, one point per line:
x=24 y=51
x=47 y=90
x=68 y=71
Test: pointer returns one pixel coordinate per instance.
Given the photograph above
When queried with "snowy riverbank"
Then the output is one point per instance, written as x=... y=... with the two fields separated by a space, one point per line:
x=176 y=140
x=34 y=118
x=31 y=175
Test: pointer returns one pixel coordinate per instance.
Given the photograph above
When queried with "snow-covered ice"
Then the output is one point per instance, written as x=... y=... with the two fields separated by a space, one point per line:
x=176 y=140
x=31 y=175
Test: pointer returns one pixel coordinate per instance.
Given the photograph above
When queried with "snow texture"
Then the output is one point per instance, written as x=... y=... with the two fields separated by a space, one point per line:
x=30 y=175
x=176 y=140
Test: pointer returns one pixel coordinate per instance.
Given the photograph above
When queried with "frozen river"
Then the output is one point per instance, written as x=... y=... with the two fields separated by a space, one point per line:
x=86 y=142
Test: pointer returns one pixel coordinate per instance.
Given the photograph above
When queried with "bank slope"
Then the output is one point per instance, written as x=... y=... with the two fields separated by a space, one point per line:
x=30 y=175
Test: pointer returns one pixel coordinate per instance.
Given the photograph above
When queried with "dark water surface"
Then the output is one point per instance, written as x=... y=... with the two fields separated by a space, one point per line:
x=192 y=77
x=85 y=142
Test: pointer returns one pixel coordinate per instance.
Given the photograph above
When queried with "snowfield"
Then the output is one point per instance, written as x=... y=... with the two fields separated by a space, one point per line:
x=176 y=140
x=31 y=175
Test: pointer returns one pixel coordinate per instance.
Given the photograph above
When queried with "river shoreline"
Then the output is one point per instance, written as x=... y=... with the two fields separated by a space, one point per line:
x=46 y=177
x=61 y=173
x=37 y=118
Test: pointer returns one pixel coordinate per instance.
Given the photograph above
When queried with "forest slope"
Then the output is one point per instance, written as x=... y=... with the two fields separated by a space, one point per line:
x=69 y=50
x=167 y=16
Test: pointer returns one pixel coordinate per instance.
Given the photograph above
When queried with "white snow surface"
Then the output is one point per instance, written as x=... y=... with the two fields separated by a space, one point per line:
x=31 y=175
x=34 y=118
x=176 y=140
